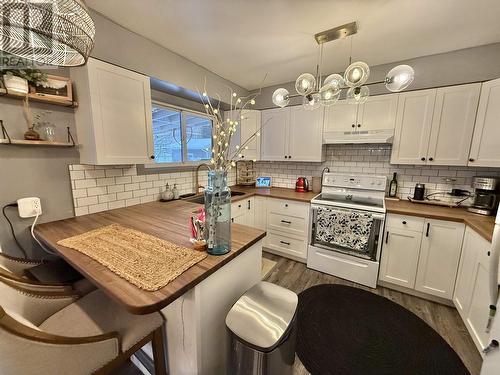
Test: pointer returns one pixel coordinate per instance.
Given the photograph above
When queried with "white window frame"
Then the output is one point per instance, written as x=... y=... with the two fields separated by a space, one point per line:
x=185 y=162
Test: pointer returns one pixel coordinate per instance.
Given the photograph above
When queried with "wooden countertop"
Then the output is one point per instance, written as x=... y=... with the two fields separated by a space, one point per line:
x=481 y=224
x=168 y=221
x=273 y=192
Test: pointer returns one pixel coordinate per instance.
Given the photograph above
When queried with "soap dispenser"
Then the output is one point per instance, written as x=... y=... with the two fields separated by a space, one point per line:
x=167 y=195
x=175 y=192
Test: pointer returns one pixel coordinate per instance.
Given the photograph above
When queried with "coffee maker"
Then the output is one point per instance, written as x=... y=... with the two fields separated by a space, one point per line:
x=486 y=195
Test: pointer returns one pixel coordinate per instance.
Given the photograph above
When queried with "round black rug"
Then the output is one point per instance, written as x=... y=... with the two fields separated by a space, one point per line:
x=344 y=330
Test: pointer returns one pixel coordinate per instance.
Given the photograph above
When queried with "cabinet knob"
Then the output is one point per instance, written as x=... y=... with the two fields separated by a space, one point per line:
x=243 y=156
x=431 y=159
x=423 y=159
x=152 y=157
x=359 y=125
x=286 y=157
x=289 y=156
x=353 y=125
x=404 y=222
x=471 y=159
x=286 y=204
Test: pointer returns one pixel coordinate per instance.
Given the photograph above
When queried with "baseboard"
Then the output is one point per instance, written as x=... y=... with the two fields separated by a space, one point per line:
x=284 y=255
x=416 y=293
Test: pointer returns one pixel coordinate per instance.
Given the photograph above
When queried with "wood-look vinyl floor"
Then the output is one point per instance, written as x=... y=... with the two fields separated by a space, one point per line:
x=445 y=320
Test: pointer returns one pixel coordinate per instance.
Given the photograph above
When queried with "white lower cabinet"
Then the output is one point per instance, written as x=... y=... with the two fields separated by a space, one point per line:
x=421 y=254
x=400 y=257
x=439 y=257
x=471 y=297
x=287 y=228
x=242 y=212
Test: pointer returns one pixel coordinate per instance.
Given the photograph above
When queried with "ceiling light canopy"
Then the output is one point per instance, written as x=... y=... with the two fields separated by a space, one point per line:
x=355 y=77
x=54 y=32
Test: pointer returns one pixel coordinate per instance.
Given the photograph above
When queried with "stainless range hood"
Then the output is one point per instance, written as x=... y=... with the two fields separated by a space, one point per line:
x=366 y=136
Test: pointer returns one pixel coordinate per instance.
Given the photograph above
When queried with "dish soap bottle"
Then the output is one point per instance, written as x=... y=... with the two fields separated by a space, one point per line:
x=393 y=187
x=175 y=192
x=167 y=195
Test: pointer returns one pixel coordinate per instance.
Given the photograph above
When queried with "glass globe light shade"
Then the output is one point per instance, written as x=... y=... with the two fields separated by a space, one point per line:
x=399 y=78
x=358 y=95
x=305 y=84
x=281 y=97
x=356 y=74
x=335 y=79
x=311 y=102
x=329 y=94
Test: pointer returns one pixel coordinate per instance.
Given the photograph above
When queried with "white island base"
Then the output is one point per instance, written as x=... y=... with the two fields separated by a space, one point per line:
x=197 y=337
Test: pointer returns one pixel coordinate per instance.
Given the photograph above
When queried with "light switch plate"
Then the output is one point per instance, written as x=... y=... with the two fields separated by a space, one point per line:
x=29 y=207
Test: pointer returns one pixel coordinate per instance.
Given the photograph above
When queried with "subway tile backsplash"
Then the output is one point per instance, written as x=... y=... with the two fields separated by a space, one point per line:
x=374 y=159
x=100 y=188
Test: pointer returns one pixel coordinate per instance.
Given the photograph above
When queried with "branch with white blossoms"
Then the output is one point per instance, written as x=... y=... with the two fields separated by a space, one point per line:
x=223 y=130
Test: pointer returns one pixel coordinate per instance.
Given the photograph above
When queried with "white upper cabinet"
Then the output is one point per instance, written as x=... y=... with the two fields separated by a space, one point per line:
x=305 y=141
x=485 y=148
x=453 y=124
x=341 y=117
x=378 y=113
x=249 y=125
x=114 y=120
x=274 y=137
x=292 y=134
x=413 y=127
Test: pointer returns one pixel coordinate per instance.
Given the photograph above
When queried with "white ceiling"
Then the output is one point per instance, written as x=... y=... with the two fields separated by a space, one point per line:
x=242 y=40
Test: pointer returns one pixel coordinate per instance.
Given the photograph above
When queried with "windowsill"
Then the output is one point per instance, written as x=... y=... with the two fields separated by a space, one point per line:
x=169 y=167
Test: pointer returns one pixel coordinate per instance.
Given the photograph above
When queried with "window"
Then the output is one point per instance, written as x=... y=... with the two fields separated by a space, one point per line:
x=181 y=136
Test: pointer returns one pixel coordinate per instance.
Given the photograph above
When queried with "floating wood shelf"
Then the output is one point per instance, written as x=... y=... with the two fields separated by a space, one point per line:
x=7 y=140
x=24 y=142
x=40 y=99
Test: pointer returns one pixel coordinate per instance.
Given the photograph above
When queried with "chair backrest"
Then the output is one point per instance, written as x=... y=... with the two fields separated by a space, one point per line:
x=16 y=265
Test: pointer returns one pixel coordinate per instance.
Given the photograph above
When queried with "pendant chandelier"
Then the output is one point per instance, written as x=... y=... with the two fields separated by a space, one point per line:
x=316 y=93
x=54 y=32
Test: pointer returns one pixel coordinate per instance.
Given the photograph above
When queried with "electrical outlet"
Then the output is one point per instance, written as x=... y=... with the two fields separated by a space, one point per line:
x=29 y=207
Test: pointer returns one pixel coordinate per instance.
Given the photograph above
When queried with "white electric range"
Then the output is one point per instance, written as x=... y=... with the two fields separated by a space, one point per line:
x=347 y=226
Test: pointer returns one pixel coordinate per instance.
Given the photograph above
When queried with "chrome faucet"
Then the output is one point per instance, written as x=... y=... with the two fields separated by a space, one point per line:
x=197 y=185
x=326 y=169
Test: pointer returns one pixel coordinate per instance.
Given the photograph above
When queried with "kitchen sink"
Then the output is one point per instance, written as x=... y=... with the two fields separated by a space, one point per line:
x=200 y=199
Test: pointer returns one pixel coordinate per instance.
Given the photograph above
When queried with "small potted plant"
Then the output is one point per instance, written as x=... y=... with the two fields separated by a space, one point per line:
x=19 y=80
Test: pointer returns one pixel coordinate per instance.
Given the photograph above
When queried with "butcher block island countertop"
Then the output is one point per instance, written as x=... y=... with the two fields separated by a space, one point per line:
x=168 y=221
x=483 y=225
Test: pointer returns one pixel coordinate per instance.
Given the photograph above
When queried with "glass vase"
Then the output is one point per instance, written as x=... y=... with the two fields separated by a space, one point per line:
x=218 y=213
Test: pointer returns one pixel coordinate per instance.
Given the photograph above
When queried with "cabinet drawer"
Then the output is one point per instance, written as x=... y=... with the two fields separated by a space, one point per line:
x=289 y=224
x=289 y=208
x=405 y=222
x=286 y=245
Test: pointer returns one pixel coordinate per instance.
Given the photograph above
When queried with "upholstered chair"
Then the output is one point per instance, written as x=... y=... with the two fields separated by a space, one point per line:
x=14 y=268
x=56 y=332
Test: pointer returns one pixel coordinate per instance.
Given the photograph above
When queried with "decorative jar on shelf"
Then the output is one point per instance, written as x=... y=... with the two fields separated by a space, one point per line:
x=218 y=213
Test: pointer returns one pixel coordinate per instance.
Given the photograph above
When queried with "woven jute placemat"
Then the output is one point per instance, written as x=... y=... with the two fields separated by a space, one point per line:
x=146 y=261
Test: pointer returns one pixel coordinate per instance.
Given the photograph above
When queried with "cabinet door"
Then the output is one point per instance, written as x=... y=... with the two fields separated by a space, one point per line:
x=121 y=111
x=340 y=117
x=274 y=135
x=398 y=264
x=305 y=134
x=439 y=257
x=484 y=149
x=378 y=113
x=453 y=124
x=250 y=124
x=477 y=317
x=413 y=127
x=260 y=212
x=472 y=246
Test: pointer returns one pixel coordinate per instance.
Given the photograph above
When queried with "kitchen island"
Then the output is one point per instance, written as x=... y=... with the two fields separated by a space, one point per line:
x=196 y=302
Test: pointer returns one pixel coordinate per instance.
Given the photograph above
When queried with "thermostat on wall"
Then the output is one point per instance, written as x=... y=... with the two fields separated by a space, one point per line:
x=263 y=182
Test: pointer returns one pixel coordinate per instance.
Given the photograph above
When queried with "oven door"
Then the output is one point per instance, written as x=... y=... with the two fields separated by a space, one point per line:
x=327 y=236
